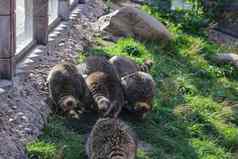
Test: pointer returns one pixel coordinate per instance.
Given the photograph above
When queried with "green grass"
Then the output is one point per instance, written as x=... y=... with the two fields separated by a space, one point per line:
x=58 y=139
x=195 y=115
x=40 y=148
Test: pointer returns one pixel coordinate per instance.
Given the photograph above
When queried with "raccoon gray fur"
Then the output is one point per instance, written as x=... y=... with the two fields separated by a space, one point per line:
x=127 y=66
x=111 y=138
x=105 y=90
x=139 y=89
x=97 y=64
x=67 y=88
x=146 y=66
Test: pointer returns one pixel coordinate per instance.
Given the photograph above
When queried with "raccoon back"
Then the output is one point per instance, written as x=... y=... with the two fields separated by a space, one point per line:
x=111 y=139
x=97 y=64
x=139 y=86
x=64 y=80
x=102 y=84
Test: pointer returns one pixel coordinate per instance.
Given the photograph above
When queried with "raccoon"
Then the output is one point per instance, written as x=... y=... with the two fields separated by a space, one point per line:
x=97 y=64
x=111 y=138
x=146 y=66
x=139 y=89
x=127 y=66
x=105 y=90
x=67 y=88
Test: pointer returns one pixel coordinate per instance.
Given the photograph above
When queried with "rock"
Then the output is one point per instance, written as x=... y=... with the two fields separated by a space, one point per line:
x=129 y=21
x=227 y=58
x=140 y=1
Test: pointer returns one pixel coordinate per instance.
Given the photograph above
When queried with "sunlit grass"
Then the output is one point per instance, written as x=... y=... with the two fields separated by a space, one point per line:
x=57 y=140
x=195 y=113
x=40 y=148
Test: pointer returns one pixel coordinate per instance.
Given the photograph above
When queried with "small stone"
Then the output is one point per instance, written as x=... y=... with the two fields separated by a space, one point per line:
x=11 y=120
x=2 y=91
x=20 y=126
x=61 y=44
x=14 y=107
x=24 y=118
x=28 y=130
x=20 y=114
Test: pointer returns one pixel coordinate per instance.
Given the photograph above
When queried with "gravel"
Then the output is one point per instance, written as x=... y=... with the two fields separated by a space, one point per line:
x=24 y=109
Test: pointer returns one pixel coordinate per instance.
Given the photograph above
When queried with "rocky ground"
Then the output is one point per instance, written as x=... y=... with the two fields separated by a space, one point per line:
x=24 y=109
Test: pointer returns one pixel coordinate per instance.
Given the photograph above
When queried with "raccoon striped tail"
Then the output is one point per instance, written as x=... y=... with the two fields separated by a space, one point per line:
x=102 y=103
x=146 y=66
x=117 y=153
x=114 y=110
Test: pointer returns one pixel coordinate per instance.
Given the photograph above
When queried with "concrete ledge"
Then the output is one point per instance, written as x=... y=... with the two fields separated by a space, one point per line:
x=222 y=38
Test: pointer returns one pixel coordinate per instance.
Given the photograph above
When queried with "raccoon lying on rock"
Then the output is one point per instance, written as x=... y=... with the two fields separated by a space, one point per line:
x=67 y=87
x=127 y=66
x=105 y=90
x=111 y=138
x=139 y=89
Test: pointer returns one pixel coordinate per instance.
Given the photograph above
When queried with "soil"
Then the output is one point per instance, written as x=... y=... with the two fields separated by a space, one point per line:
x=24 y=109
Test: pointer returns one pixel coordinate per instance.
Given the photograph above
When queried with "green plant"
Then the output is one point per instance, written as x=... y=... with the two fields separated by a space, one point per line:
x=132 y=50
x=57 y=140
x=109 y=6
x=42 y=150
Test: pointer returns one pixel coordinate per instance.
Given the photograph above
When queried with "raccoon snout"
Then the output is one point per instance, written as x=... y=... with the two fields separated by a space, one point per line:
x=69 y=103
x=149 y=63
x=142 y=108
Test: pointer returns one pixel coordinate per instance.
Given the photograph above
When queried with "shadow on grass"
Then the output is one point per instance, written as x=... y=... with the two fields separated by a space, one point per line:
x=83 y=124
x=62 y=137
x=165 y=132
x=202 y=83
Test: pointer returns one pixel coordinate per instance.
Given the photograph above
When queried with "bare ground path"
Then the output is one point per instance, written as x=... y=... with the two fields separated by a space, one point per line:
x=23 y=108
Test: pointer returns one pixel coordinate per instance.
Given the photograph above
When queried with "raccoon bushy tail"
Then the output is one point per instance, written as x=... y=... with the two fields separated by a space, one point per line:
x=99 y=98
x=114 y=110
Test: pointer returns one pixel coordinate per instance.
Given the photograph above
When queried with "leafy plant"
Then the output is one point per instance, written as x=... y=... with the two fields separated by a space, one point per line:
x=131 y=50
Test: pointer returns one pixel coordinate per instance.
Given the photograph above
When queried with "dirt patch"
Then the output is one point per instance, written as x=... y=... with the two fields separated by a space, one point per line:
x=24 y=110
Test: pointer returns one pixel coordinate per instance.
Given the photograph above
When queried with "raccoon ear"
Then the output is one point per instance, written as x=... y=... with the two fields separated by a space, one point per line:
x=113 y=111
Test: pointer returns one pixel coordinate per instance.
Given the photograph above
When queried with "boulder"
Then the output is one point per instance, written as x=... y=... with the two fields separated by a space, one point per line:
x=227 y=58
x=130 y=21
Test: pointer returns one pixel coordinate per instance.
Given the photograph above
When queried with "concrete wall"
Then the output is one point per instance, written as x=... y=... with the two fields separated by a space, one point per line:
x=8 y=30
x=40 y=21
x=7 y=38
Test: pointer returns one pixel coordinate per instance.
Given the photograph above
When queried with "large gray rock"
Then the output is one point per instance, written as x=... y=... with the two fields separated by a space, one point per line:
x=227 y=58
x=129 y=21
